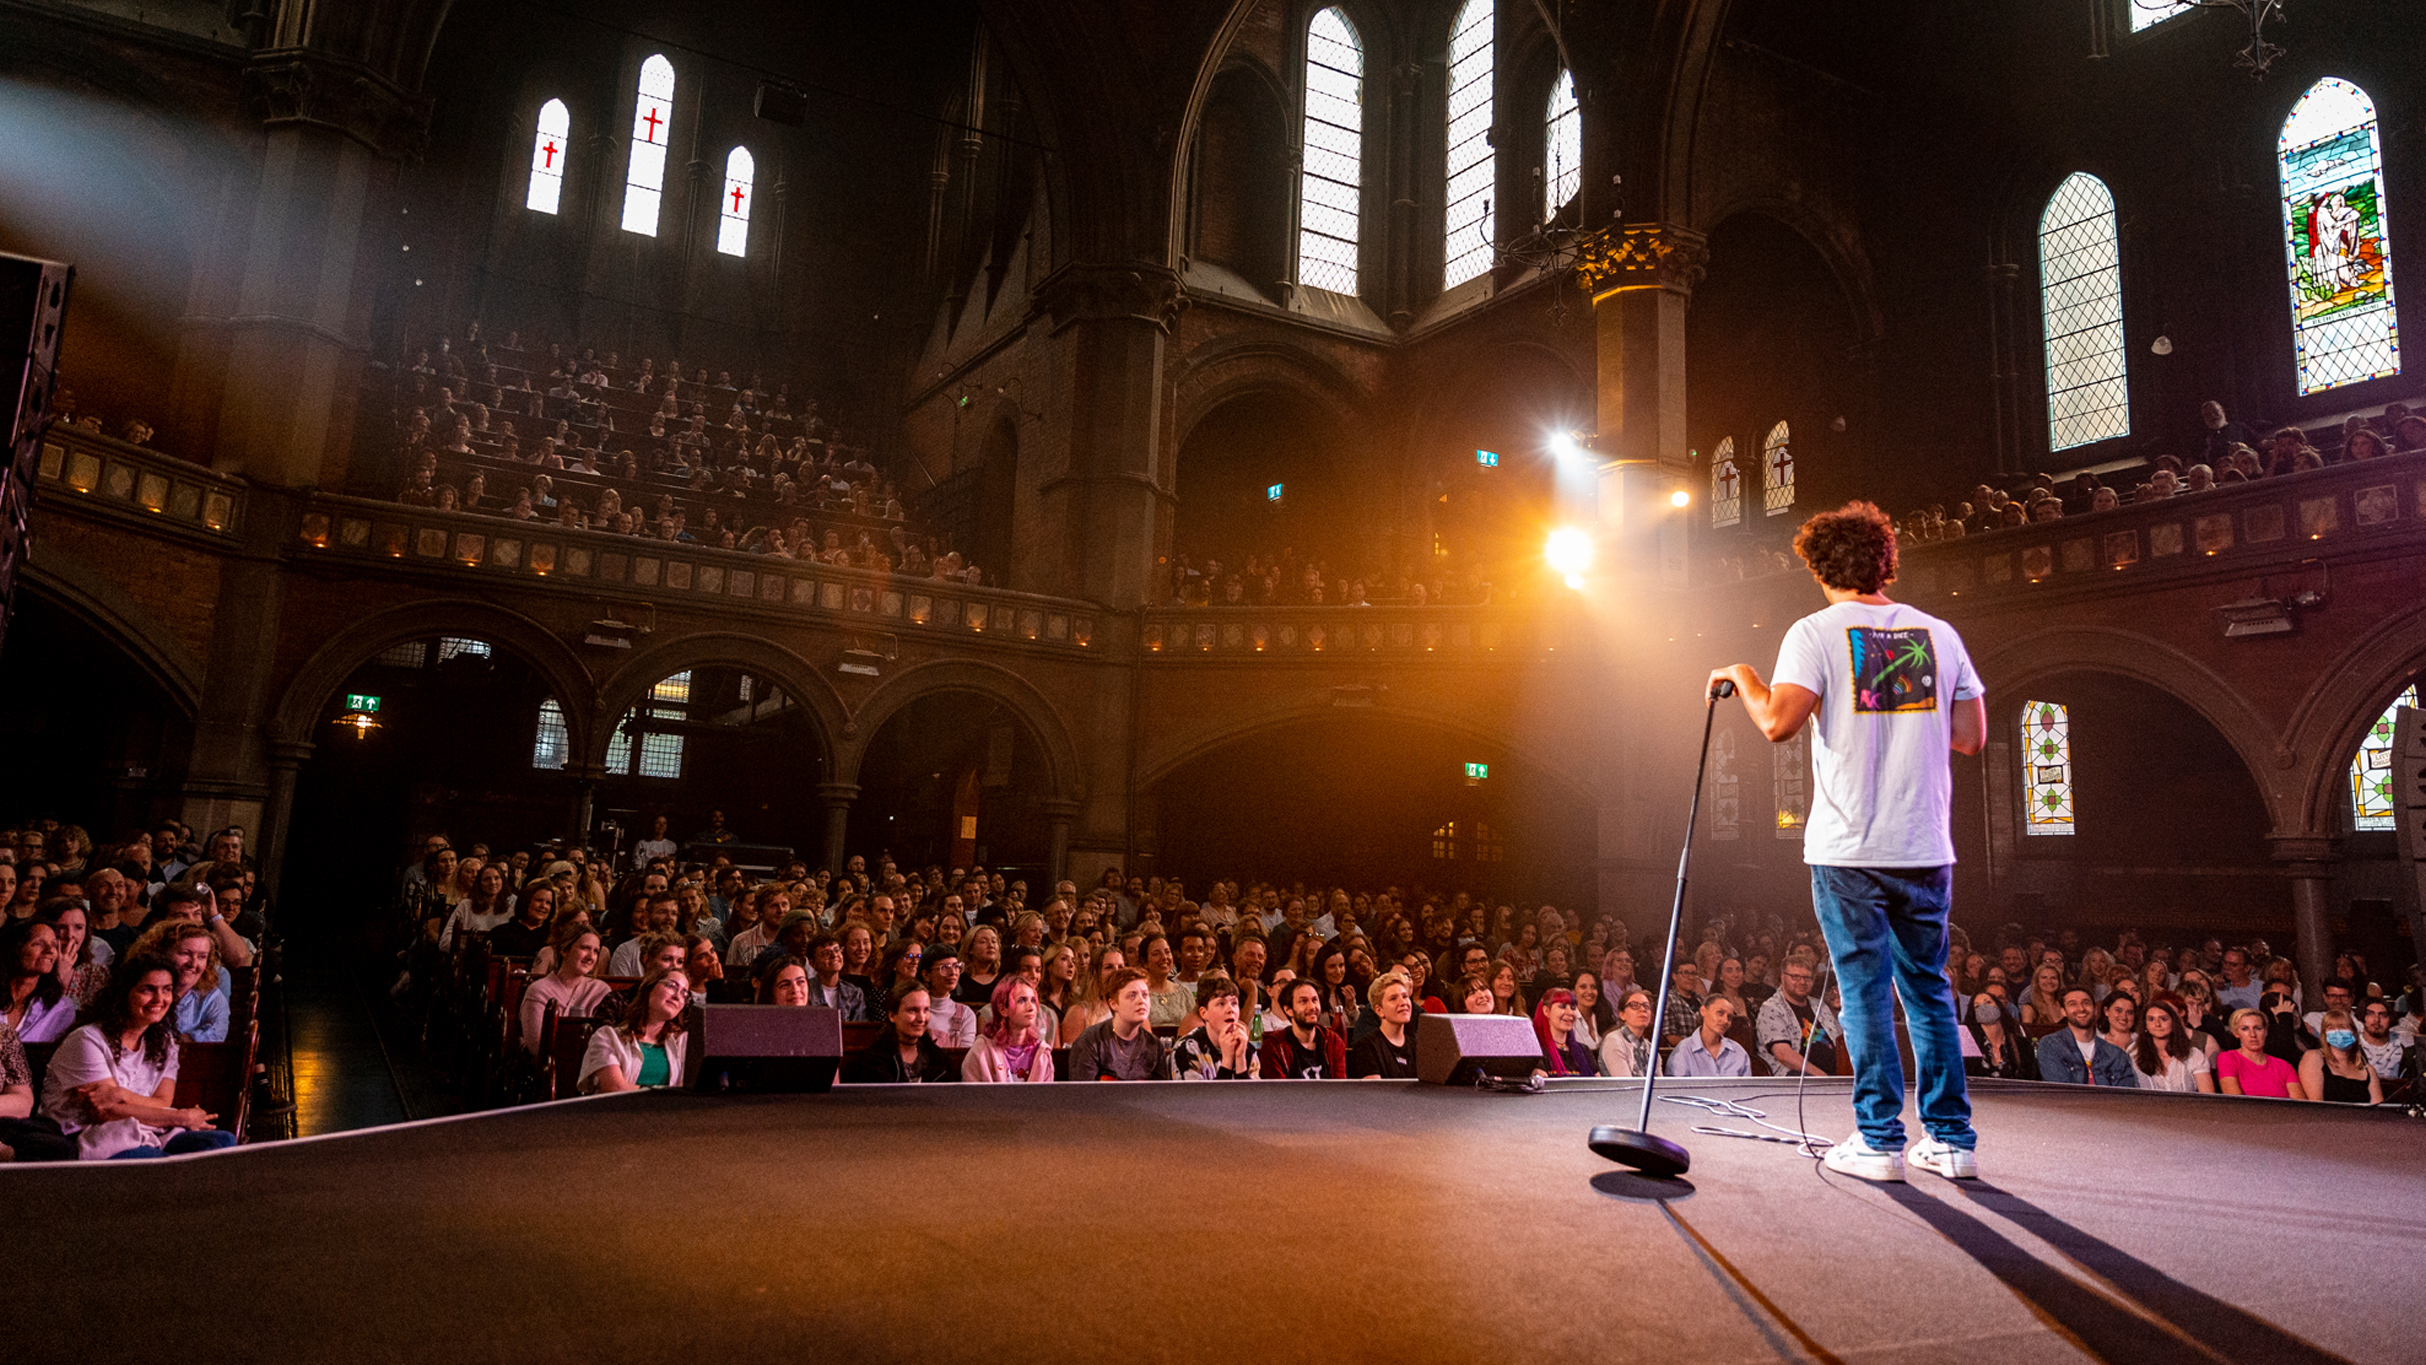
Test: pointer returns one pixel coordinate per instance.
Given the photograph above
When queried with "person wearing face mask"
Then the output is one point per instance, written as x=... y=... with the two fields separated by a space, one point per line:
x=2337 y=1072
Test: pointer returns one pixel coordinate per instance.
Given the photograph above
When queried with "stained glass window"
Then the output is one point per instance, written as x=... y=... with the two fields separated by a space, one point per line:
x=1777 y=471
x=1790 y=761
x=2081 y=305
x=2150 y=13
x=2046 y=768
x=1329 y=185
x=2371 y=770
x=733 y=210
x=1469 y=236
x=547 y=157
x=1726 y=804
x=644 y=179
x=453 y=647
x=553 y=745
x=1562 y=147
x=2336 y=240
x=1726 y=486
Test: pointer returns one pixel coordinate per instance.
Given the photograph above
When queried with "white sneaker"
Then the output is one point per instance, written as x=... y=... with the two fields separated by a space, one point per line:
x=1954 y=1163
x=1857 y=1158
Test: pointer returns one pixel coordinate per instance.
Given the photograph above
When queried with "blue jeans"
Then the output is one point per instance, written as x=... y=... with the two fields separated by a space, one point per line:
x=191 y=1140
x=1880 y=920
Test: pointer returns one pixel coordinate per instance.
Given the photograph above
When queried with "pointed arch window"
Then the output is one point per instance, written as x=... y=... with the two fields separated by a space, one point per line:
x=2150 y=13
x=1777 y=471
x=2081 y=307
x=1468 y=237
x=2336 y=242
x=1330 y=181
x=1562 y=147
x=1790 y=762
x=2371 y=769
x=547 y=157
x=553 y=744
x=2046 y=768
x=652 y=121
x=733 y=210
x=1726 y=790
x=1726 y=486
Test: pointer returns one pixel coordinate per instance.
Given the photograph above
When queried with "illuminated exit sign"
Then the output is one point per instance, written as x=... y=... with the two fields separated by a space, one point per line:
x=1488 y=459
x=1476 y=772
x=359 y=701
x=1272 y=494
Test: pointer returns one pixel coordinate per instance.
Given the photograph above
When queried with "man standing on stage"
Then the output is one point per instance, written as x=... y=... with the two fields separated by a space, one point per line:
x=1889 y=690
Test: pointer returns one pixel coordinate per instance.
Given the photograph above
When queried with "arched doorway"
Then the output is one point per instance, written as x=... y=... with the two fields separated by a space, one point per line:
x=713 y=738
x=1265 y=475
x=954 y=778
x=1368 y=801
x=88 y=728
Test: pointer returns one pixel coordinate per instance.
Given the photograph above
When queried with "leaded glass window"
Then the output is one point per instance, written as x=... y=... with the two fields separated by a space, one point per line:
x=660 y=754
x=2150 y=13
x=733 y=210
x=547 y=157
x=2046 y=768
x=1330 y=182
x=1777 y=471
x=1469 y=236
x=1562 y=147
x=2081 y=306
x=453 y=647
x=2336 y=240
x=1726 y=799
x=644 y=176
x=1726 y=486
x=1444 y=842
x=2371 y=770
x=553 y=744
x=1790 y=763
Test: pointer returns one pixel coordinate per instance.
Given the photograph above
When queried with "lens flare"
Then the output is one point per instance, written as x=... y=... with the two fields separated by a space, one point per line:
x=1569 y=551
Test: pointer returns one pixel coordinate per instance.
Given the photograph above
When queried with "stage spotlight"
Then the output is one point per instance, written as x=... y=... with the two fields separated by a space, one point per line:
x=1569 y=552
x=1680 y=498
x=1565 y=447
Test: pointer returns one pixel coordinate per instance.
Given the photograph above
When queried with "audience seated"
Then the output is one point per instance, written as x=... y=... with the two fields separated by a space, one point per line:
x=643 y=1048
x=1011 y=1047
x=113 y=1082
x=902 y=1052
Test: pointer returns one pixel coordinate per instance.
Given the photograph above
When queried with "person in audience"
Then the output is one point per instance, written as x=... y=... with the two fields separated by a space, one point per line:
x=2044 y=1003
x=1219 y=1049
x=2241 y=988
x=660 y=915
x=2165 y=1055
x=1996 y=1047
x=2337 y=997
x=1173 y=1000
x=36 y=1006
x=1064 y=964
x=1684 y=1004
x=2121 y=1016
x=1010 y=1047
x=1387 y=1051
x=1120 y=1047
x=785 y=982
x=527 y=932
x=1506 y=997
x=705 y=968
x=24 y=1134
x=1594 y=1015
x=949 y=1022
x=643 y=1049
x=1797 y=1032
x=830 y=990
x=83 y=960
x=2336 y=1071
x=1092 y=1004
x=112 y=1084
x=981 y=964
x=1554 y=1029
x=571 y=988
x=2250 y=1069
x=1709 y=1051
x=487 y=907
x=1305 y=1050
x=2386 y=1055
x=2077 y=1055
x=1630 y=1049
x=2286 y=1036
x=200 y=1014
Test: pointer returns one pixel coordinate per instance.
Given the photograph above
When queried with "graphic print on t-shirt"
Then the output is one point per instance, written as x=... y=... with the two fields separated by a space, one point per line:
x=1893 y=670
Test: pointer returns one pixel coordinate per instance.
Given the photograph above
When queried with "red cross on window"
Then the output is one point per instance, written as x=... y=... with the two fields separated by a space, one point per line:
x=737 y=201
x=1782 y=465
x=549 y=148
x=1726 y=480
x=652 y=120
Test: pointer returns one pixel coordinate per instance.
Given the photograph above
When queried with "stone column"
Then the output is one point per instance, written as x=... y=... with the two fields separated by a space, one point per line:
x=2310 y=862
x=1058 y=815
x=585 y=800
x=1107 y=324
x=837 y=798
x=287 y=758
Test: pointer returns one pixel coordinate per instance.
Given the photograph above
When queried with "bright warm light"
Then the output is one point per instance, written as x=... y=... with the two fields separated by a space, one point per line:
x=1569 y=551
x=1680 y=498
x=1564 y=447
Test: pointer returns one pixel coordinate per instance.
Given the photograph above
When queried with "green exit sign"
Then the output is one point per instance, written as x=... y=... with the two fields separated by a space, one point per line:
x=363 y=701
x=1476 y=772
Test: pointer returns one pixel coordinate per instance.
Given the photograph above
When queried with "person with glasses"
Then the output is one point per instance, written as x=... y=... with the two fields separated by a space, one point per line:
x=1796 y=1032
x=1628 y=1049
x=949 y=1022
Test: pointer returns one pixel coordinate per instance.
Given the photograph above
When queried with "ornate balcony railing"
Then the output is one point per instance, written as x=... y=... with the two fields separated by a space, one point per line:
x=365 y=532
x=97 y=473
x=1397 y=632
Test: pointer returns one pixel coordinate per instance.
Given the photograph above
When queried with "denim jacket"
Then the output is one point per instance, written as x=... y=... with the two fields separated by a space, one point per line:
x=2060 y=1060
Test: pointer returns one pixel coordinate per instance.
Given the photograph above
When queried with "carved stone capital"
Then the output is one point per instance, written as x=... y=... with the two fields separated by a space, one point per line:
x=292 y=85
x=1642 y=256
x=1111 y=293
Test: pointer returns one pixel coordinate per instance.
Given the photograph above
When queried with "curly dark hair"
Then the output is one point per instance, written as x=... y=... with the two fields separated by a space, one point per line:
x=109 y=1009
x=1851 y=549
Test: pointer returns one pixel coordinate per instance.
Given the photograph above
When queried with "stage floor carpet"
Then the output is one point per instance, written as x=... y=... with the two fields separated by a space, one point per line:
x=1281 y=1222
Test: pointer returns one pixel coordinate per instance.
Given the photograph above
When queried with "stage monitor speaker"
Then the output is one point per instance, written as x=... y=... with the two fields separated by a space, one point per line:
x=765 y=1048
x=33 y=307
x=1452 y=1049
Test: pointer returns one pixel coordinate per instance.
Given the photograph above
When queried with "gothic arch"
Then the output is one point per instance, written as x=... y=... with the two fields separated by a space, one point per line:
x=1032 y=707
x=2013 y=666
x=1839 y=243
x=330 y=665
x=2350 y=692
x=799 y=679
x=1219 y=372
x=66 y=582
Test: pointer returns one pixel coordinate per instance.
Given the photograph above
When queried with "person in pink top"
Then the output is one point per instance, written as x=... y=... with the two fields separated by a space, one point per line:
x=570 y=988
x=2250 y=1069
x=1008 y=1048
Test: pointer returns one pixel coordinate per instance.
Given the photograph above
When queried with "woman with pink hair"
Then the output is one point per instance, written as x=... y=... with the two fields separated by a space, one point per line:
x=1009 y=1048
x=1554 y=1025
